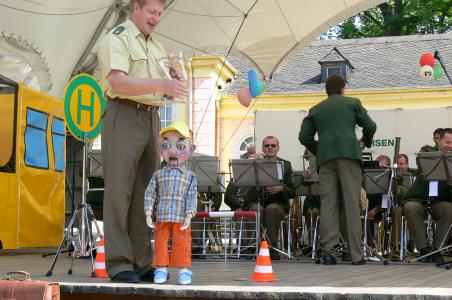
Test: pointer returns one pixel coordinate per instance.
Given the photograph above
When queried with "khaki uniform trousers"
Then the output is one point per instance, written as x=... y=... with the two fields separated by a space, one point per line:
x=340 y=182
x=271 y=217
x=130 y=157
x=416 y=213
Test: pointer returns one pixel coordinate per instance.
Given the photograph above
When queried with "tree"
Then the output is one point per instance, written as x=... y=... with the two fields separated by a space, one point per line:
x=398 y=17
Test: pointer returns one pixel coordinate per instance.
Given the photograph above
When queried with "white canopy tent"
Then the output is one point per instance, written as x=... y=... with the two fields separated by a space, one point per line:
x=58 y=38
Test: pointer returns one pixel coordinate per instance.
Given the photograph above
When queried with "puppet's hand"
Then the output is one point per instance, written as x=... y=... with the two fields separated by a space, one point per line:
x=149 y=222
x=186 y=222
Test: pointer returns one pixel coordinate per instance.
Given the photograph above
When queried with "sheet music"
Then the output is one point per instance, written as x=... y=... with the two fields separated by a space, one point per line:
x=280 y=168
x=206 y=171
x=255 y=172
x=384 y=201
x=433 y=189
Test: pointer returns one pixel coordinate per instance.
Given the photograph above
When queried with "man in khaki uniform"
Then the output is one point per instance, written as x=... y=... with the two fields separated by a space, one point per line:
x=134 y=84
x=339 y=162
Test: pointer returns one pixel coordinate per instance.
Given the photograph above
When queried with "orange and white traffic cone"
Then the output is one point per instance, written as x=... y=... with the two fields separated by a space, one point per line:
x=99 y=265
x=263 y=270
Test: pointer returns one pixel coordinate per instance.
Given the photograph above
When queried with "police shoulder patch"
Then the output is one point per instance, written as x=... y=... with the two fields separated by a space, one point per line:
x=118 y=30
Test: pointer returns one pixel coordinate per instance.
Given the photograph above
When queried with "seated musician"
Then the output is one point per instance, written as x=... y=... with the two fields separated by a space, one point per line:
x=415 y=210
x=376 y=211
x=272 y=201
x=436 y=138
x=403 y=171
x=250 y=151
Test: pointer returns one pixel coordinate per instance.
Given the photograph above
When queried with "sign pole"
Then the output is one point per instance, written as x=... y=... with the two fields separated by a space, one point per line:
x=82 y=222
x=84 y=106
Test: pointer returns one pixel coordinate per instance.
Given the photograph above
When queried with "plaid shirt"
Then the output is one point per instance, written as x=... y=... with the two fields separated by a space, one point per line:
x=174 y=192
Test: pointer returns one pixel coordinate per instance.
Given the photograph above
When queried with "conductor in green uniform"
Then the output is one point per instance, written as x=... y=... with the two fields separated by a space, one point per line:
x=339 y=163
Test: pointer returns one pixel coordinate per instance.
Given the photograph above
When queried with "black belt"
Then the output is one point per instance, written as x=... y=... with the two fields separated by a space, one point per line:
x=137 y=105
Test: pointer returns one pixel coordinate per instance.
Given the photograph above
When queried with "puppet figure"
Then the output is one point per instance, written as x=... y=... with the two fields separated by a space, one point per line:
x=172 y=193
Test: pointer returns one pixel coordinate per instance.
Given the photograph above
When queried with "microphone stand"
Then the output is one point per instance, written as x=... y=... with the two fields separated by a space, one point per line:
x=440 y=60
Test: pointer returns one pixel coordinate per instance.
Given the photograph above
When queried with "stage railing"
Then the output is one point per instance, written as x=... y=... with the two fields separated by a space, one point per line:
x=225 y=234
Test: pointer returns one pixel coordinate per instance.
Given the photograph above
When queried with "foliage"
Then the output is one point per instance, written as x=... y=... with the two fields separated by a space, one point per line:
x=397 y=17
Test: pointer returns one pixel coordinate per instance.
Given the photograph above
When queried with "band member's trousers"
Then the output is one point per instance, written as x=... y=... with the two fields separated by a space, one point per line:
x=416 y=213
x=340 y=184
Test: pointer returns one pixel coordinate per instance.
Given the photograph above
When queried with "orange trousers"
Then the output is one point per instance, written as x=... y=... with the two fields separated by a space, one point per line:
x=180 y=249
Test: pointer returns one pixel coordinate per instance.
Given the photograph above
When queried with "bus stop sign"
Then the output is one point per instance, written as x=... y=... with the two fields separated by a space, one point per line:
x=84 y=105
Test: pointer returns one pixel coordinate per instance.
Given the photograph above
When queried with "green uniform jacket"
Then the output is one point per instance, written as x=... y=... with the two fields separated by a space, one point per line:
x=231 y=197
x=420 y=188
x=281 y=198
x=335 y=119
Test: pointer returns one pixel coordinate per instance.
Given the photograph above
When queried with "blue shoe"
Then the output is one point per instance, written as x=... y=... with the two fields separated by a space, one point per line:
x=185 y=276
x=160 y=275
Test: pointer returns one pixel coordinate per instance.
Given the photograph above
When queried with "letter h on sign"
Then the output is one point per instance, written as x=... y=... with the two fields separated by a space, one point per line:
x=89 y=108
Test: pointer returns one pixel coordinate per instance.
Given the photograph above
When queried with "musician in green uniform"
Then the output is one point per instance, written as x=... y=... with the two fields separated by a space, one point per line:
x=415 y=210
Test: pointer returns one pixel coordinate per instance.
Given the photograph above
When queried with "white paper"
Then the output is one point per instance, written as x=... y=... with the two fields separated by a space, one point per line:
x=279 y=166
x=433 y=189
x=222 y=180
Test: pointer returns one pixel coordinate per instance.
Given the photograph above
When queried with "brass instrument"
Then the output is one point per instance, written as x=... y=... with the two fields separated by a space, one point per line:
x=296 y=218
x=379 y=240
x=391 y=201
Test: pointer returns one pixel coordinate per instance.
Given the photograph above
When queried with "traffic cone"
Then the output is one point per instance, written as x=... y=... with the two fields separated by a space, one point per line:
x=99 y=265
x=263 y=270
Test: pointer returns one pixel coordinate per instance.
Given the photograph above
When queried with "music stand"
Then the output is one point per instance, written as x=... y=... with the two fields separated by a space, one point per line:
x=306 y=186
x=376 y=182
x=256 y=173
x=206 y=171
x=208 y=181
x=311 y=189
x=311 y=158
x=436 y=166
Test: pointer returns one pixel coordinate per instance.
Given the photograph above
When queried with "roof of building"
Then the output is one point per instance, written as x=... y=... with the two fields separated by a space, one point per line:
x=379 y=64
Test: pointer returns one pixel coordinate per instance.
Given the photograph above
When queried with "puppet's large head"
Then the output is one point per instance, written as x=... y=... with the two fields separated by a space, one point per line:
x=175 y=143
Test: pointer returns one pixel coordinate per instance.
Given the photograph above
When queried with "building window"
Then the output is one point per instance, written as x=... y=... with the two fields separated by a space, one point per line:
x=334 y=63
x=36 y=154
x=58 y=143
x=333 y=71
x=246 y=142
x=166 y=115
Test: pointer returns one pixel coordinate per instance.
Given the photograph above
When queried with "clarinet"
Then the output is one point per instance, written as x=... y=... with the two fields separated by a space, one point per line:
x=429 y=225
x=392 y=198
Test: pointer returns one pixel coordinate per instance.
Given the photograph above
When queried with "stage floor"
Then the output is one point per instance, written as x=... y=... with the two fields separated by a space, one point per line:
x=217 y=279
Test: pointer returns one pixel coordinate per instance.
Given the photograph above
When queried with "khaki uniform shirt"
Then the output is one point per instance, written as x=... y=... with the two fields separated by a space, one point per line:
x=125 y=48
